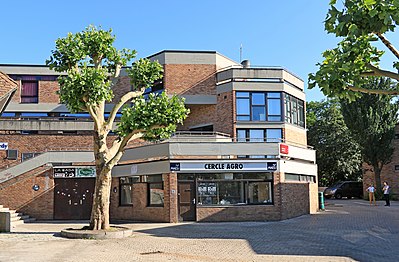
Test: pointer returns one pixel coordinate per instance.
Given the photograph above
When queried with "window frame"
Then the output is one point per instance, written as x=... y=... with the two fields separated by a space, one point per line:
x=264 y=105
x=243 y=184
x=22 y=95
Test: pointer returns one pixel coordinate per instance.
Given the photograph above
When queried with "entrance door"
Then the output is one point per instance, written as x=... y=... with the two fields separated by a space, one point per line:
x=73 y=198
x=187 y=201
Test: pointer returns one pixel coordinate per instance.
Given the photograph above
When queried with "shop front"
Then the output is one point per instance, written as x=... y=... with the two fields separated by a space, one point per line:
x=211 y=190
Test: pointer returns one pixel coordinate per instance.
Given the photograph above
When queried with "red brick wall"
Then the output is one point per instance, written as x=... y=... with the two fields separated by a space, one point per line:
x=190 y=79
x=225 y=113
x=42 y=143
x=294 y=199
x=17 y=193
x=16 y=98
x=199 y=115
x=121 y=86
x=48 y=92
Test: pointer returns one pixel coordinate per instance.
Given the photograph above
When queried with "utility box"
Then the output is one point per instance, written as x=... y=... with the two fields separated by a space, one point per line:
x=5 y=222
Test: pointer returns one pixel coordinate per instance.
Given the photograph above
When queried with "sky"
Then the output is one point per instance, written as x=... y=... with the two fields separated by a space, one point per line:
x=286 y=33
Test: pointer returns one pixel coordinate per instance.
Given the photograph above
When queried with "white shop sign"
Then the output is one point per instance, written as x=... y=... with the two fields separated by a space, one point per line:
x=3 y=146
x=220 y=166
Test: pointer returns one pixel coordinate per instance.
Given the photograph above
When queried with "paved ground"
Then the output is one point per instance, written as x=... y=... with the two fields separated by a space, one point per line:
x=348 y=230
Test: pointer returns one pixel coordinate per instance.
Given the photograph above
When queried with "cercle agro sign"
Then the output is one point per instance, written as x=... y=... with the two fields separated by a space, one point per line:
x=221 y=166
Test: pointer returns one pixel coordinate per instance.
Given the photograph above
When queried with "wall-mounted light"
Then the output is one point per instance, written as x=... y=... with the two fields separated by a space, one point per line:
x=36 y=187
x=115 y=189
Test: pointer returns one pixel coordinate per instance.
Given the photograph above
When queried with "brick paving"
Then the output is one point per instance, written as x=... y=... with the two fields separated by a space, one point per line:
x=349 y=230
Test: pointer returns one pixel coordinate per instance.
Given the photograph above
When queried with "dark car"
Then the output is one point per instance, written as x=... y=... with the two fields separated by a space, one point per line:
x=347 y=189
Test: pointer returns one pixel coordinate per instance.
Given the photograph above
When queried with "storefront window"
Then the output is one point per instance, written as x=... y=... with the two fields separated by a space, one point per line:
x=234 y=189
x=155 y=190
x=126 y=190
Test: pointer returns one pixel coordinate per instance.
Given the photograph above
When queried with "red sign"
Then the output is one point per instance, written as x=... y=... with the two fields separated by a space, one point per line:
x=284 y=149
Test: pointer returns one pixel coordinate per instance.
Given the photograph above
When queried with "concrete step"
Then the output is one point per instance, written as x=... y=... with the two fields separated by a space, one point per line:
x=4 y=209
x=16 y=218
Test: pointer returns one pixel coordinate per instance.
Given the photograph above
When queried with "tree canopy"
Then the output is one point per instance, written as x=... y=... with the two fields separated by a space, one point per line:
x=91 y=64
x=345 y=69
x=372 y=119
x=338 y=154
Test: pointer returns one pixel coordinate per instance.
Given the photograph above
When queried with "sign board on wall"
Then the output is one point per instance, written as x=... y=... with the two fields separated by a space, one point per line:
x=74 y=172
x=3 y=146
x=222 y=166
x=284 y=149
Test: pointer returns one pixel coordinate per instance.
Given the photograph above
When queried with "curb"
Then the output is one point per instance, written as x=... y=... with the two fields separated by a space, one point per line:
x=121 y=232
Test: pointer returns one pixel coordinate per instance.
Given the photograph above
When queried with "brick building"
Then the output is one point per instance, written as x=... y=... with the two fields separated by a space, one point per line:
x=240 y=155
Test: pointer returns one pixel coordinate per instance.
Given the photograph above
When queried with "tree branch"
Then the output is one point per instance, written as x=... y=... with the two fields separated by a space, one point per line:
x=388 y=44
x=375 y=71
x=373 y=91
x=118 y=106
x=91 y=111
x=116 y=151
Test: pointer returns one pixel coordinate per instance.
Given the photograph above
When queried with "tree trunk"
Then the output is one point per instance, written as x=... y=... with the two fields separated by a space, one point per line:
x=100 y=210
x=377 y=178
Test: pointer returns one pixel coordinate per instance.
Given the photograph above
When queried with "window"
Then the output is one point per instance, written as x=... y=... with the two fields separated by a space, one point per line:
x=29 y=91
x=300 y=178
x=126 y=190
x=234 y=189
x=155 y=190
x=26 y=156
x=12 y=154
x=258 y=106
x=259 y=135
x=294 y=110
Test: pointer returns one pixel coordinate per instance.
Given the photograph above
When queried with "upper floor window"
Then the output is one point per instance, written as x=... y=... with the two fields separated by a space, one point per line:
x=259 y=106
x=29 y=91
x=294 y=110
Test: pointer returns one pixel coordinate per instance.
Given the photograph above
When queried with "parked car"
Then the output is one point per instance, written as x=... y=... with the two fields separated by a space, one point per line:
x=347 y=189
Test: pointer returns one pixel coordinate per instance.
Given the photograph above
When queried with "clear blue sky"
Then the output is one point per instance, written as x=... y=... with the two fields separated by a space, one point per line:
x=287 y=33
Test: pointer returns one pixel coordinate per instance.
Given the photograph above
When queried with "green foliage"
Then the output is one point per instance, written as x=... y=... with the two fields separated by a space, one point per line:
x=88 y=86
x=362 y=17
x=144 y=73
x=343 y=66
x=157 y=111
x=90 y=60
x=372 y=119
x=359 y=22
x=338 y=154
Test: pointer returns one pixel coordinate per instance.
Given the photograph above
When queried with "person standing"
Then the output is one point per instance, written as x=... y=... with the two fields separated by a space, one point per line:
x=371 y=190
x=386 y=190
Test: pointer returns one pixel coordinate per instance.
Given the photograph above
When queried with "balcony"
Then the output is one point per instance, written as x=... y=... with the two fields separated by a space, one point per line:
x=214 y=145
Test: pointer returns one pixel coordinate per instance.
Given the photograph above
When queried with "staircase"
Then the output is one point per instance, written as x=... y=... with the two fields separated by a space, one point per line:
x=17 y=218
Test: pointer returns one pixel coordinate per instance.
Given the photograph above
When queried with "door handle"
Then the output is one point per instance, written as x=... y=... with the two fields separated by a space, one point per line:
x=193 y=201
x=70 y=202
x=81 y=202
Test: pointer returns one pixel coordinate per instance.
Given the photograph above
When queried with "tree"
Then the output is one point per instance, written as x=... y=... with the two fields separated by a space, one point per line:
x=338 y=154
x=345 y=69
x=91 y=62
x=372 y=119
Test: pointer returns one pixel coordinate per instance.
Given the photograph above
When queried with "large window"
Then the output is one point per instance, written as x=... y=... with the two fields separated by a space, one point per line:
x=29 y=91
x=155 y=190
x=126 y=190
x=259 y=135
x=294 y=110
x=259 y=106
x=234 y=189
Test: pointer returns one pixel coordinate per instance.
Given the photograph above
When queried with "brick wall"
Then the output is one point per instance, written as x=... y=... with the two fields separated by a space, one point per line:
x=199 y=115
x=139 y=211
x=121 y=86
x=295 y=134
x=48 y=92
x=225 y=113
x=190 y=79
x=294 y=199
x=42 y=143
x=16 y=98
x=17 y=193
